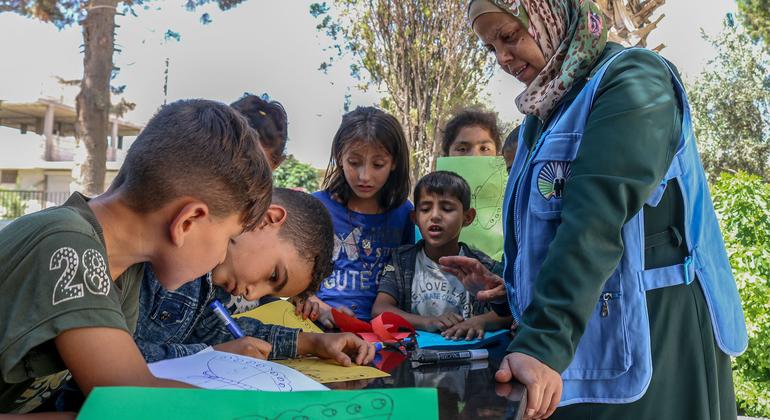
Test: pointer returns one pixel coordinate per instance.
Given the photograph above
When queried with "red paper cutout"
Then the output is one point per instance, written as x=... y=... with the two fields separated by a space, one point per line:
x=385 y=327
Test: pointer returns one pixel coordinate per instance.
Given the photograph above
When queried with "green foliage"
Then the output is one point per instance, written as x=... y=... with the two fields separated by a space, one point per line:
x=755 y=14
x=295 y=174
x=730 y=102
x=742 y=202
x=11 y=205
x=421 y=52
x=61 y=13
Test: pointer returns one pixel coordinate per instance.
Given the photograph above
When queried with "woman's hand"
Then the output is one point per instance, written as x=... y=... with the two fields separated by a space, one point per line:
x=477 y=279
x=344 y=348
x=543 y=384
x=246 y=346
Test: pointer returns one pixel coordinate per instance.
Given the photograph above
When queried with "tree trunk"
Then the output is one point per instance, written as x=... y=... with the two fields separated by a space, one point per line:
x=93 y=101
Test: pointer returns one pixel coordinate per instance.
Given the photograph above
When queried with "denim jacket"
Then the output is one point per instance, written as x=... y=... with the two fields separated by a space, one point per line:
x=398 y=275
x=180 y=323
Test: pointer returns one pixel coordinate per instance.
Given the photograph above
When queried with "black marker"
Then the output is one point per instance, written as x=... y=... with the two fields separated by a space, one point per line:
x=437 y=356
x=434 y=368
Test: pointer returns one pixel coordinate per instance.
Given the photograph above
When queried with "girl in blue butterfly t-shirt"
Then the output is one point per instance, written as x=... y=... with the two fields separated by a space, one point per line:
x=365 y=191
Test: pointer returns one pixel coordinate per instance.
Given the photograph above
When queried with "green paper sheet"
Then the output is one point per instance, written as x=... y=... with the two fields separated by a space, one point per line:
x=116 y=403
x=487 y=178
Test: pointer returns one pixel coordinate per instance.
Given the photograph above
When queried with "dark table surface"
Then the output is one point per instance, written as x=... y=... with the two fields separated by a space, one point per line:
x=465 y=390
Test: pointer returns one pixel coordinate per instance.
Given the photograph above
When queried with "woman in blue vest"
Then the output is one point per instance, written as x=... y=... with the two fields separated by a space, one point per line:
x=615 y=266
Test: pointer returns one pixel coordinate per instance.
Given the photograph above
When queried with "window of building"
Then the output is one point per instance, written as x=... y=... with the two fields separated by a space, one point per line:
x=8 y=176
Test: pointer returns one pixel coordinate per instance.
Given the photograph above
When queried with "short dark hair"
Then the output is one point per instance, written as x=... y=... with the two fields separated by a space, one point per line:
x=201 y=149
x=512 y=141
x=308 y=226
x=372 y=126
x=470 y=117
x=444 y=182
x=271 y=122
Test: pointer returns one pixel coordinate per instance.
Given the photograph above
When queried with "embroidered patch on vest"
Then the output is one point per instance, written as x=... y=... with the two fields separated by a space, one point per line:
x=552 y=179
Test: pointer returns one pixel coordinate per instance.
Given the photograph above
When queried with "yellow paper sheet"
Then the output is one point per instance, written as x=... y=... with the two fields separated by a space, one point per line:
x=281 y=312
x=325 y=371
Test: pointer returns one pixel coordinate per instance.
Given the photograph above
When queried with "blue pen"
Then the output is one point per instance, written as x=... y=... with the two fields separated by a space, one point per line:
x=222 y=313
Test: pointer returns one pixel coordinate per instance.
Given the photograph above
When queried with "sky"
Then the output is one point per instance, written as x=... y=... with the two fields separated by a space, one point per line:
x=263 y=46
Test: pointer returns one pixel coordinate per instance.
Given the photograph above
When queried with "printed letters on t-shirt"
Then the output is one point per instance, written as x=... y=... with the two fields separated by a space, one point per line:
x=350 y=280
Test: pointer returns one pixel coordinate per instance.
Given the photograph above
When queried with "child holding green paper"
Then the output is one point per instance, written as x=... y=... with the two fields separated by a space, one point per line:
x=413 y=284
x=471 y=132
x=471 y=148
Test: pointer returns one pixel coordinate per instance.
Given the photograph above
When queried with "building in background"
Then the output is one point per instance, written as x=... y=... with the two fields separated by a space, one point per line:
x=39 y=155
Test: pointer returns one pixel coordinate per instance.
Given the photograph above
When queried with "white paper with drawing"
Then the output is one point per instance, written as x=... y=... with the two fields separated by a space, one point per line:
x=213 y=369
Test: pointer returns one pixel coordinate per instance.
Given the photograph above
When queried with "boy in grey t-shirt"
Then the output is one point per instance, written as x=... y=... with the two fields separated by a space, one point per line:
x=413 y=284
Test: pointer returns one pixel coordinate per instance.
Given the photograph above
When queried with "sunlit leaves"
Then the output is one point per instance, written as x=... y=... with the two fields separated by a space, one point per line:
x=742 y=202
x=294 y=174
x=730 y=101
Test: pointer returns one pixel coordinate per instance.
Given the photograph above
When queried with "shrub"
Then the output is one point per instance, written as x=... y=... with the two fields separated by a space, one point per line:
x=295 y=174
x=742 y=202
x=11 y=205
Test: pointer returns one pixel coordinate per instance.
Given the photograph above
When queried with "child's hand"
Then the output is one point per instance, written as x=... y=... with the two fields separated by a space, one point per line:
x=318 y=310
x=327 y=319
x=247 y=346
x=344 y=348
x=468 y=330
x=307 y=308
x=442 y=322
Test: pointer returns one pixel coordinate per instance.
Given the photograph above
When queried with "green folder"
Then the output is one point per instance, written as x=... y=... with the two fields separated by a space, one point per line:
x=487 y=177
x=117 y=403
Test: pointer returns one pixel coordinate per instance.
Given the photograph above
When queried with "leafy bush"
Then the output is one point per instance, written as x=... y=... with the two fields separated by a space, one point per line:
x=742 y=202
x=11 y=205
x=295 y=174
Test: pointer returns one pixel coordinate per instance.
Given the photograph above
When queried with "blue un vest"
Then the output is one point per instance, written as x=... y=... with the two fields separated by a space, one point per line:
x=613 y=362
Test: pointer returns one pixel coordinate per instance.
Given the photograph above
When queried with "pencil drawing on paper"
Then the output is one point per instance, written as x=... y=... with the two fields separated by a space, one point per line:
x=487 y=199
x=233 y=372
x=368 y=406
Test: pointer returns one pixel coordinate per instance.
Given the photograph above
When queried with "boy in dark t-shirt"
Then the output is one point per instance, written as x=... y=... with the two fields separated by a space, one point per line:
x=69 y=276
x=414 y=285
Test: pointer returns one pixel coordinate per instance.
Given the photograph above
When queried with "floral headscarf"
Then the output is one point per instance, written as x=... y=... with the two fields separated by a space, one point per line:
x=571 y=35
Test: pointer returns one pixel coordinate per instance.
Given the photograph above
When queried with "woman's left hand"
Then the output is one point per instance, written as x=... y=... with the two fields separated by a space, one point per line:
x=344 y=348
x=544 y=385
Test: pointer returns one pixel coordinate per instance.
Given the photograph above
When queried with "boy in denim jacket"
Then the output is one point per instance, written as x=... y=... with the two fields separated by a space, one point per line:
x=289 y=254
x=414 y=285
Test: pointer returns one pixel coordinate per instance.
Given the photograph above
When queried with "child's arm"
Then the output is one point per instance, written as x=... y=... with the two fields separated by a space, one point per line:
x=212 y=331
x=98 y=356
x=387 y=303
x=475 y=326
x=154 y=352
x=246 y=346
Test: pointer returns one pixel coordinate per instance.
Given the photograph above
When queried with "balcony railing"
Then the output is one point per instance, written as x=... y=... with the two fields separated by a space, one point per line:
x=16 y=203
